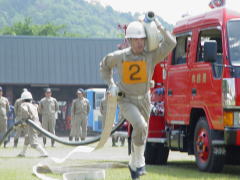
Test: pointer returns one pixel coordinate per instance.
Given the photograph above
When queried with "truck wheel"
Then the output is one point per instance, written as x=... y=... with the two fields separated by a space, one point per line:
x=232 y=156
x=208 y=157
x=156 y=154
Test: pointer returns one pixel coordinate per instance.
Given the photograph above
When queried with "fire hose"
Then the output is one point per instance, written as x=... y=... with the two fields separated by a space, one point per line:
x=54 y=137
x=94 y=172
x=72 y=173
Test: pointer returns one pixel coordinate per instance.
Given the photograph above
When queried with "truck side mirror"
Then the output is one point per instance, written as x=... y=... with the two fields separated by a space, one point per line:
x=210 y=51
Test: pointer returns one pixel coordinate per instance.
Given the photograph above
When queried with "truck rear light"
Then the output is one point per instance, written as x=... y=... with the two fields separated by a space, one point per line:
x=229 y=92
x=228 y=119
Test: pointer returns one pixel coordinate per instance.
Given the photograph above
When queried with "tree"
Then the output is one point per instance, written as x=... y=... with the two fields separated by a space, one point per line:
x=28 y=29
x=49 y=30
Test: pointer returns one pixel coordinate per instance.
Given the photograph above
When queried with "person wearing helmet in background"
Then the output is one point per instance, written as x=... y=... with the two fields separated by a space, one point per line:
x=48 y=108
x=79 y=114
x=29 y=111
x=135 y=66
x=4 y=109
x=19 y=130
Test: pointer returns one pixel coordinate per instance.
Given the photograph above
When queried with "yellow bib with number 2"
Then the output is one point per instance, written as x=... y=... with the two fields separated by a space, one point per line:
x=134 y=72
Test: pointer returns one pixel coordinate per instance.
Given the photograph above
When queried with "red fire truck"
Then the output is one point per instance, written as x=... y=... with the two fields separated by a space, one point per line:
x=197 y=94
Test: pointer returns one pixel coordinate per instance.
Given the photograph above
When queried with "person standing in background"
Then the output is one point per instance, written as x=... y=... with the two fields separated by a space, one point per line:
x=79 y=113
x=4 y=109
x=48 y=107
x=103 y=108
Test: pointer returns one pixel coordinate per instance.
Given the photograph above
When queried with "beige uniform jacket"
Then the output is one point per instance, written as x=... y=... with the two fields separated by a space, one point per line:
x=135 y=72
x=30 y=111
x=80 y=107
x=17 y=111
x=48 y=106
x=4 y=107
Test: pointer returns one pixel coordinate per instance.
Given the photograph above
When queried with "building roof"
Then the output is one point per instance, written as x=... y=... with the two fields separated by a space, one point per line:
x=52 y=61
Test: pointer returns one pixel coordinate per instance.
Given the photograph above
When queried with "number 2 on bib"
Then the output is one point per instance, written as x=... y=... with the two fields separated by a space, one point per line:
x=134 y=72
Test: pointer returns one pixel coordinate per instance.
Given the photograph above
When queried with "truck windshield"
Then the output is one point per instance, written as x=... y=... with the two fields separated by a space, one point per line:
x=234 y=42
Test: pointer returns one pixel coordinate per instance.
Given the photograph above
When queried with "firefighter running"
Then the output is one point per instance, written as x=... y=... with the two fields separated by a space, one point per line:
x=79 y=112
x=135 y=66
x=29 y=111
x=19 y=130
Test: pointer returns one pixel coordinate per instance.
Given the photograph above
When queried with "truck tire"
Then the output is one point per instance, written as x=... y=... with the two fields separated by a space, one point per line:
x=208 y=157
x=232 y=155
x=156 y=154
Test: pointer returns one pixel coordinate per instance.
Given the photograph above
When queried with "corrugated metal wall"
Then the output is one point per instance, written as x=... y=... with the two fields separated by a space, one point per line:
x=52 y=61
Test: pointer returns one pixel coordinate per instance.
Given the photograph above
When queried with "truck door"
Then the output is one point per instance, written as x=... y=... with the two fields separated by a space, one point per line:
x=206 y=91
x=178 y=91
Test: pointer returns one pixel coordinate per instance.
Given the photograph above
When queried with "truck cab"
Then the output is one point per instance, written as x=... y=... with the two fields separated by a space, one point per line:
x=201 y=93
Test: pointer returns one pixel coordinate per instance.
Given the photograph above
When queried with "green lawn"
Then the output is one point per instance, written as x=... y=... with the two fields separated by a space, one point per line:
x=177 y=170
x=15 y=168
x=21 y=169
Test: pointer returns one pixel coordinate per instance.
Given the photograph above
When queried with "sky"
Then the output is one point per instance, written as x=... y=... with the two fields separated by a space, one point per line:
x=169 y=10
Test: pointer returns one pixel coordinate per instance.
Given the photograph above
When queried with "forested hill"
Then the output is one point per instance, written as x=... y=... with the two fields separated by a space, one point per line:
x=80 y=17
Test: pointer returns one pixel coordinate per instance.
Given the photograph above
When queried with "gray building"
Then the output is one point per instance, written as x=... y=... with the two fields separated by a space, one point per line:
x=63 y=64
x=39 y=62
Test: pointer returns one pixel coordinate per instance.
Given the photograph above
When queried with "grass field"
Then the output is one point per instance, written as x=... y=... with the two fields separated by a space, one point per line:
x=21 y=169
x=15 y=168
x=177 y=170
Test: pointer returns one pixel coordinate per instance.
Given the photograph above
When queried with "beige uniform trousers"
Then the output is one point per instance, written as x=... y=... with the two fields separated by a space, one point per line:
x=137 y=112
x=79 y=126
x=32 y=137
x=49 y=122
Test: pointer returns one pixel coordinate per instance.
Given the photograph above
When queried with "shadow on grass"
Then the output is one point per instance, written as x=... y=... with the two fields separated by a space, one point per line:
x=189 y=170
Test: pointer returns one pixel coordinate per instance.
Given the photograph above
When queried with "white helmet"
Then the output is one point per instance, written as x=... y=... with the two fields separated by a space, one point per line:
x=135 y=29
x=26 y=95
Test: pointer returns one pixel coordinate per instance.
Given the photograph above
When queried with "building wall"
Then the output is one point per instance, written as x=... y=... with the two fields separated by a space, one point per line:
x=52 y=61
x=63 y=64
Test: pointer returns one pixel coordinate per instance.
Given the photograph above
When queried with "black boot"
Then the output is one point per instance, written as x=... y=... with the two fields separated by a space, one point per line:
x=44 y=141
x=15 y=142
x=52 y=141
x=76 y=139
x=134 y=174
x=70 y=138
